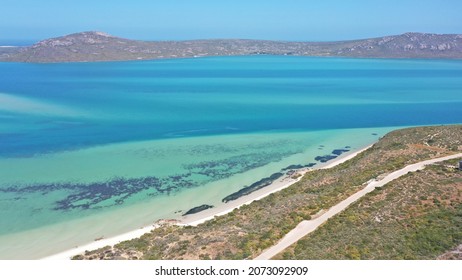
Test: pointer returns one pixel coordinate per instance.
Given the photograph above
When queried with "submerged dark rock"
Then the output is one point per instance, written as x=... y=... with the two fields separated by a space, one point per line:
x=325 y=158
x=335 y=153
x=115 y=191
x=298 y=166
x=340 y=151
x=224 y=168
x=254 y=187
x=198 y=209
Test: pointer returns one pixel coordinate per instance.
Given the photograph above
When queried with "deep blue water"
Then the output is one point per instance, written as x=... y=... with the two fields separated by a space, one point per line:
x=268 y=113
x=83 y=104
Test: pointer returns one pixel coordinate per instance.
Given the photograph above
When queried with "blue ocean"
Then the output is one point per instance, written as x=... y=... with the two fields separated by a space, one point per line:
x=97 y=149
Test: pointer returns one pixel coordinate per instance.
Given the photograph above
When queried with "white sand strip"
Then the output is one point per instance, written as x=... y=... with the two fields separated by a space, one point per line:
x=66 y=255
x=203 y=216
x=306 y=227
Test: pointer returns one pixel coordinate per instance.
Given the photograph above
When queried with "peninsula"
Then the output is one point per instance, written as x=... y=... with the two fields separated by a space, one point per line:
x=413 y=215
x=98 y=46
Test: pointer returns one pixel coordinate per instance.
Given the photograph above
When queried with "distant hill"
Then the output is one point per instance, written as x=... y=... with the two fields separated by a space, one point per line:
x=98 y=46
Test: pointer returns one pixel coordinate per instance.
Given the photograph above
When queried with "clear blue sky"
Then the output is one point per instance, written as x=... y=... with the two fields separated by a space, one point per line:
x=307 y=20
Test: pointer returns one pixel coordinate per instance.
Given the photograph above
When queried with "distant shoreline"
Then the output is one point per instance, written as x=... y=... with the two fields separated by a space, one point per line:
x=93 y=46
x=206 y=215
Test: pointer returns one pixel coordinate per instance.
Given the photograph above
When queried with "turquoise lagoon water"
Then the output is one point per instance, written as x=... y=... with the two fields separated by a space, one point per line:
x=97 y=149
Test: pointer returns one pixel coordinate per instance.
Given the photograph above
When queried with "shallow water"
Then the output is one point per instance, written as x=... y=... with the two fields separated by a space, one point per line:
x=85 y=144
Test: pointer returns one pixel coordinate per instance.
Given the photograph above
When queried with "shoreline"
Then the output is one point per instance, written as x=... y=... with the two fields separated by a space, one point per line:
x=206 y=215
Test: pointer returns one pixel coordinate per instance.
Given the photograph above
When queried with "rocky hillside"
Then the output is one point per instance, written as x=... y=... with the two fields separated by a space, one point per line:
x=412 y=45
x=98 y=46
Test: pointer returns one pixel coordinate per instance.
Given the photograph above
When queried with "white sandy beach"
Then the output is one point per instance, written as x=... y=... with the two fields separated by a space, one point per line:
x=203 y=216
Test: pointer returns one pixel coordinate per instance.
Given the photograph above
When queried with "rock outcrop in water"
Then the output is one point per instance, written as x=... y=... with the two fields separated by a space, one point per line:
x=197 y=209
x=298 y=166
x=335 y=153
x=99 y=46
x=254 y=187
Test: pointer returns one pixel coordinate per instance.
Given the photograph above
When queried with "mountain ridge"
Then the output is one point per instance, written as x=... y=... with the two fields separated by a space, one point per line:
x=92 y=46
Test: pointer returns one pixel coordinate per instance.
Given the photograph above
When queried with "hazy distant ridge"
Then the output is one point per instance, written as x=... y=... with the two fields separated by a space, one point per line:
x=98 y=46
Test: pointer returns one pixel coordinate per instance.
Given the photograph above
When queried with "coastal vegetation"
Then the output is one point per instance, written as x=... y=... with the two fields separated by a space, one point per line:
x=418 y=216
x=247 y=231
